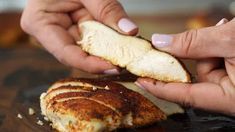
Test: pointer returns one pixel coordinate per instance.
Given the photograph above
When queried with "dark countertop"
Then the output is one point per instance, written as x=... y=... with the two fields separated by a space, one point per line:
x=26 y=72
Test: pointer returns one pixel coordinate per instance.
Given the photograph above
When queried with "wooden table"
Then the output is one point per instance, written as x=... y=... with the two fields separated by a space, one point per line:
x=24 y=73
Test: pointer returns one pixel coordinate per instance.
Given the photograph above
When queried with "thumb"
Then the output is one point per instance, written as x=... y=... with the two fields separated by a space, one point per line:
x=111 y=13
x=216 y=41
x=195 y=95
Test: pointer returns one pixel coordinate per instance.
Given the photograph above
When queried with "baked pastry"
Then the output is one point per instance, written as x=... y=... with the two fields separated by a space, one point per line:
x=90 y=105
x=133 y=53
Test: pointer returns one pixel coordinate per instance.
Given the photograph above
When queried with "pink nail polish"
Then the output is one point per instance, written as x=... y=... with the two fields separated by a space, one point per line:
x=126 y=25
x=139 y=85
x=161 y=40
x=111 y=72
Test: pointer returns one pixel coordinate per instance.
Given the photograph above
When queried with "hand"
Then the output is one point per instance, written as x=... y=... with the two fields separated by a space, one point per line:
x=54 y=24
x=214 y=50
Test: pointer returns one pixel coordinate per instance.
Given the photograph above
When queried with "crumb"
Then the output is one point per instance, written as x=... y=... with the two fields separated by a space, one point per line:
x=106 y=88
x=40 y=122
x=121 y=92
x=45 y=118
x=31 y=111
x=19 y=116
x=94 y=88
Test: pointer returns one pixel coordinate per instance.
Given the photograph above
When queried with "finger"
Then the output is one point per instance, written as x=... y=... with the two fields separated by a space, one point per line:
x=73 y=31
x=214 y=76
x=207 y=96
x=32 y=23
x=81 y=15
x=111 y=13
x=57 y=19
x=85 y=62
x=210 y=70
x=61 y=45
x=230 y=67
x=217 y=41
x=60 y=5
x=205 y=66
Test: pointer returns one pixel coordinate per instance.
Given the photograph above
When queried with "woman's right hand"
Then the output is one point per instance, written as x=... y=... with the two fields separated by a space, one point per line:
x=214 y=50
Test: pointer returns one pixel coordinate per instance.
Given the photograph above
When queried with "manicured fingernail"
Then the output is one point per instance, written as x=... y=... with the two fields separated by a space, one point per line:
x=161 y=40
x=139 y=85
x=126 y=25
x=111 y=72
x=222 y=21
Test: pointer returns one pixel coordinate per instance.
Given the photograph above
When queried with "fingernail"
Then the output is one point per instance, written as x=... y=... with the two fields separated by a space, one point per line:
x=111 y=72
x=222 y=21
x=139 y=85
x=161 y=40
x=126 y=25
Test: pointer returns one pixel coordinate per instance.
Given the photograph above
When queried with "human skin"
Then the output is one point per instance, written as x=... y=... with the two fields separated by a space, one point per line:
x=54 y=24
x=214 y=50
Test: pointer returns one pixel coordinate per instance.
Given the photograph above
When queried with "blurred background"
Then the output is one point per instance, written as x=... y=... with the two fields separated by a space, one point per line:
x=162 y=16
